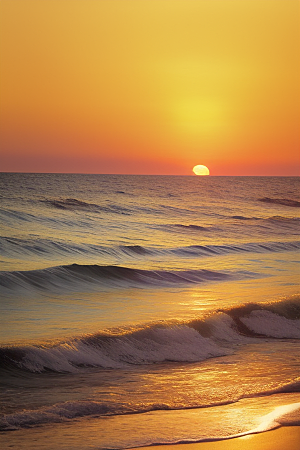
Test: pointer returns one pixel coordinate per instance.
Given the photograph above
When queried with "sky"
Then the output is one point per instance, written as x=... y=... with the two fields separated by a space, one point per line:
x=150 y=86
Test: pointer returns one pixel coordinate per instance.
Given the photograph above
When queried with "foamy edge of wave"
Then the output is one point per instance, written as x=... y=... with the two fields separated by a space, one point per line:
x=197 y=340
x=284 y=415
x=149 y=345
x=272 y=325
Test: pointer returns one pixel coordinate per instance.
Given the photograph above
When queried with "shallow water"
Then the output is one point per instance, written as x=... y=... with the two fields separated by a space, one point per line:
x=131 y=301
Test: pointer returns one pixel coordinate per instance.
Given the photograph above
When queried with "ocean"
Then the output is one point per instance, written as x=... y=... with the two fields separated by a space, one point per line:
x=140 y=310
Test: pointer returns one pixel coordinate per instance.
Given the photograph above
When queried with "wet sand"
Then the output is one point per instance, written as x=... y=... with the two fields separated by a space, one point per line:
x=285 y=438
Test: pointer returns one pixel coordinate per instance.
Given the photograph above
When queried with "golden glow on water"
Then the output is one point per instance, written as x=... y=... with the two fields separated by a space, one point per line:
x=85 y=312
x=179 y=248
x=269 y=420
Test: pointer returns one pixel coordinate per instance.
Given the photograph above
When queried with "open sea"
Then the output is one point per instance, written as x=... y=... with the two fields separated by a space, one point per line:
x=139 y=310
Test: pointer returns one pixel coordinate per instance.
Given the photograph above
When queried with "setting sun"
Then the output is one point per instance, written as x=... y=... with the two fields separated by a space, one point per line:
x=201 y=170
x=123 y=263
x=88 y=84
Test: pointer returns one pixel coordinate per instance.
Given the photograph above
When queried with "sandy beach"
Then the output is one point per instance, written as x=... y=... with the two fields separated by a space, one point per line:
x=285 y=438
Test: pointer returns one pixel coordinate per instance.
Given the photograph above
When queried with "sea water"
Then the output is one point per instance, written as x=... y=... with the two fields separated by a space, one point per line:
x=139 y=310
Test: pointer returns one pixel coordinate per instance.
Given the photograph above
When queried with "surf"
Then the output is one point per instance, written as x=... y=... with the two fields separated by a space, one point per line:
x=188 y=341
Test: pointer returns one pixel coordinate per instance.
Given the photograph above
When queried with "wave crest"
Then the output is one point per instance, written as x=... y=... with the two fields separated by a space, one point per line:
x=149 y=345
x=181 y=342
x=11 y=246
x=75 y=277
x=73 y=204
x=281 y=201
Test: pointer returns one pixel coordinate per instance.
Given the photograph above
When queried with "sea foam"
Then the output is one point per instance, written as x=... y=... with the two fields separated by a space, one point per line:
x=197 y=340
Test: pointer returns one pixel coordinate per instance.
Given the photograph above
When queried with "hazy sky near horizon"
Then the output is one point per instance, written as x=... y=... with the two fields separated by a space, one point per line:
x=150 y=86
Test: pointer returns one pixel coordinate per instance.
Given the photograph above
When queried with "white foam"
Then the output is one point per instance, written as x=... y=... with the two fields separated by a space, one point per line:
x=67 y=357
x=281 y=416
x=51 y=414
x=273 y=325
x=223 y=329
x=178 y=343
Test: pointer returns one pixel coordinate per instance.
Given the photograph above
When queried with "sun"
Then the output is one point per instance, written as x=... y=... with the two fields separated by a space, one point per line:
x=201 y=170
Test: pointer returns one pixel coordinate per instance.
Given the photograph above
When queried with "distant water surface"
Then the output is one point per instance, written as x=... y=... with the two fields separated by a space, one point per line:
x=128 y=302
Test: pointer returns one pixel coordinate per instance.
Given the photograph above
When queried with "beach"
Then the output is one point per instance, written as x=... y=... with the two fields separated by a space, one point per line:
x=282 y=438
x=149 y=225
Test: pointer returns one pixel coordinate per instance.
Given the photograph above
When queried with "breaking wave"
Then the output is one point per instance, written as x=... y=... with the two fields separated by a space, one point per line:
x=159 y=342
x=148 y=345
x=217 y=335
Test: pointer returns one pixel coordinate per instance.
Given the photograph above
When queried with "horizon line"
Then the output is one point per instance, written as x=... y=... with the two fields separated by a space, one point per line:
x=141 y=174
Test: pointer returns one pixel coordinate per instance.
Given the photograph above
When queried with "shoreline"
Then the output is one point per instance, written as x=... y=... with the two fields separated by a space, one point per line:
x=287 y=437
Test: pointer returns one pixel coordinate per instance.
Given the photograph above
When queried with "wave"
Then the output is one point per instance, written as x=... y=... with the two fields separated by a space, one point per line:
x=281 y=219
x=11 y=246
x=192 y=341
x=285 y=415
x=278 y=225
x=70 y=410
x=193 y=227
x=273 y=225
x=275 y=320
x=285 y=224
x=255 y=247
x=281 y=201
x=16 y=218
x=61 y=412
x=136 y=250
x=244 y=218
x=73 y=204
x=56 y=413
x=275 y=219
x=9 y=215
x=148 y=345
x=75 y=276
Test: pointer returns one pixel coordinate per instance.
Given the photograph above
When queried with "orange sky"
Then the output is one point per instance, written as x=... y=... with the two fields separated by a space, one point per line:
x=150 y=86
